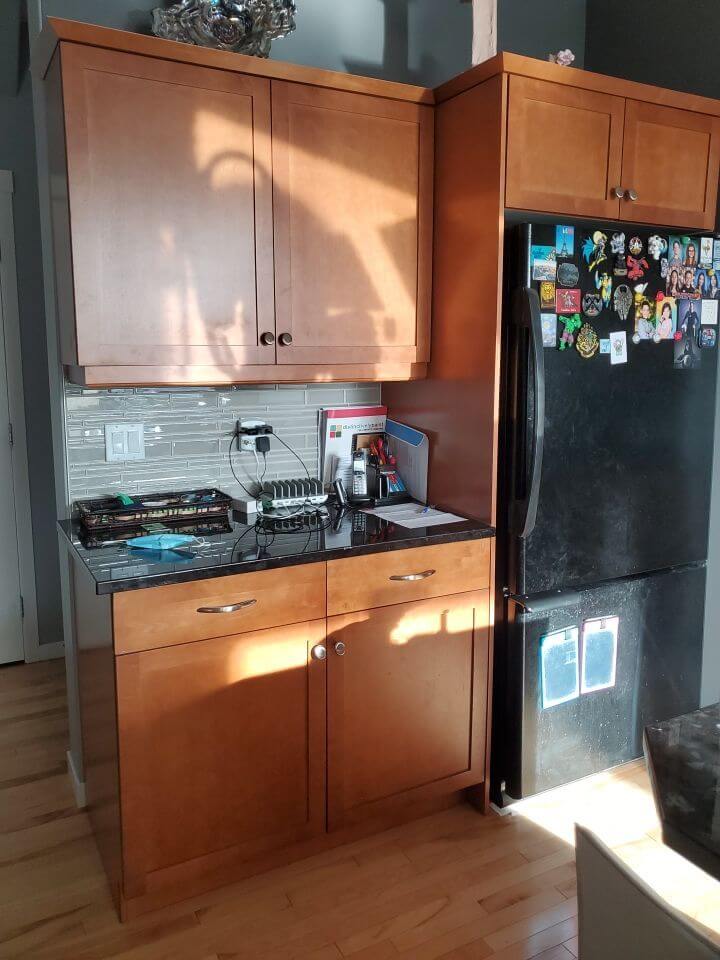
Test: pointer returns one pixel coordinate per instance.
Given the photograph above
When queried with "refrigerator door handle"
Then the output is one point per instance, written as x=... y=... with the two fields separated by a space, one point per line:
x=527 y=314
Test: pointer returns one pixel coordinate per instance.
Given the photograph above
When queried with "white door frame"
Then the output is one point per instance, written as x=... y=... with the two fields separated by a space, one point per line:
x=16 y=404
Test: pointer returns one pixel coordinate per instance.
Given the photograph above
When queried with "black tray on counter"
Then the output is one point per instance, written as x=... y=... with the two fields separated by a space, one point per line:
x=109 y=513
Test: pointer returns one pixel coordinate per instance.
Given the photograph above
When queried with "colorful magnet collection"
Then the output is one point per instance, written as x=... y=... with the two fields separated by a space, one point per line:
x=667 y=288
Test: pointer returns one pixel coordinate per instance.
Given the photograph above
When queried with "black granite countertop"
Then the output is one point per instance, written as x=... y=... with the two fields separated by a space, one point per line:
x=238 y=547
x=684 y=761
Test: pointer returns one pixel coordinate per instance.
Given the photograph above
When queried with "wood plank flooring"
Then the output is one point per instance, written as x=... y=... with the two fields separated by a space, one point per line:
x=455 y=886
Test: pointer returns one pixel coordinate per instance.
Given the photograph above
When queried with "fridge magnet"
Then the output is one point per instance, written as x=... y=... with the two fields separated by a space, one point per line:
x=617 y=243
x=559 y=667
x=691 y=257
x=549 y=329
x=591 y=304
x=713 y=285
x=587 y=342
x=676 y=251
x=636 y=267
x=706 y=252
x=708 y=337
x=644 y=318
x=599 y=654
x=665 y=317
x=656 y=246
x=547 y=295
x=716 y=254
x=618 y=347
x=544 y=265
x=603 y=282
x=572 y=325
x=605 y=345
x=567 y=274
x=567 y=301
x=687 y=288
x=635 y=246
x=663 y=268
x=701 y=283
x=622 y=301
x=565 y=241
x=593 y=250
x=688 y=320
x=686 y=353
x=672 y=284
x=709 y=313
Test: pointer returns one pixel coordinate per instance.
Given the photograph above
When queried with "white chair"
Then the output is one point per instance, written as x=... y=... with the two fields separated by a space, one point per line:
x=621 y=918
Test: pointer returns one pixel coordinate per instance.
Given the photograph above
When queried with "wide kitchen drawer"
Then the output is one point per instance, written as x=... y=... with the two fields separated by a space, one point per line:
x=377 y=580
x=183 y=612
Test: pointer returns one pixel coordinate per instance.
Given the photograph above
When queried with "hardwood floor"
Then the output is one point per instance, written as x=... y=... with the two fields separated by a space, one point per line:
x=455 y=885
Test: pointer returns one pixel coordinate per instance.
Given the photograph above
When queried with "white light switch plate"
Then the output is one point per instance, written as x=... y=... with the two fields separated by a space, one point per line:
x=124 y=441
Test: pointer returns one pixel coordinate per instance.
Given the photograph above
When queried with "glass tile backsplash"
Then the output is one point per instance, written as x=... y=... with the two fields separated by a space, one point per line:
x=188 y=433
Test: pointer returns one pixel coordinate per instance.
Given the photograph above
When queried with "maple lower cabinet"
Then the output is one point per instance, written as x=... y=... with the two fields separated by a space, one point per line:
x=353 y=221
x=407 y=704
x=564 y=148
x=671 y=160
x=222 y=753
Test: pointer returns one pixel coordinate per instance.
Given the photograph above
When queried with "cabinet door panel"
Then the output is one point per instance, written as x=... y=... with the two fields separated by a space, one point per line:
x=564 y=149
x=169 y=169
x=352 y=207
x=671 y=159
x=222 y=744
x=406 y=704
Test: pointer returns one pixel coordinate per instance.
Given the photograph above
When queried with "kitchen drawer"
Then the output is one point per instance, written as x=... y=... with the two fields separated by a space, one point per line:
x=183 y=612
x=377 y=580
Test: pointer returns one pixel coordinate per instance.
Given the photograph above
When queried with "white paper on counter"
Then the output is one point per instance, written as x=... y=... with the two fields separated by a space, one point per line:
x=413 y=515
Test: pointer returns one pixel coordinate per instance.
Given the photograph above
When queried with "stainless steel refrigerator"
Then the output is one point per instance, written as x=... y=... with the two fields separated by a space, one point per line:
x=606 y=447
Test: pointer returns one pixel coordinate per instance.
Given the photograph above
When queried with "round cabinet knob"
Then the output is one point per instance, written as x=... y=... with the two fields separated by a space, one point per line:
x=631 y=195
x=285 y=339
x=618 y=193
x=267 y=339
x=318 y=652
x=340 y=648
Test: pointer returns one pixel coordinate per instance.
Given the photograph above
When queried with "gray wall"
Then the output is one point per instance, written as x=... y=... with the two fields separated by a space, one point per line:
x=17 y=153
x=538 y=29
x=644 y=41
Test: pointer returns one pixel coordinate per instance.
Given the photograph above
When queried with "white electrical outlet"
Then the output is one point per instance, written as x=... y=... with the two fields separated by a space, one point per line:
x=124 y=441
x=247 y=441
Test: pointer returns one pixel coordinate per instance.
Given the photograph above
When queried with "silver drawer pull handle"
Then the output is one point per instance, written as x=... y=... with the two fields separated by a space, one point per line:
x=413 y=576
x=228 y=608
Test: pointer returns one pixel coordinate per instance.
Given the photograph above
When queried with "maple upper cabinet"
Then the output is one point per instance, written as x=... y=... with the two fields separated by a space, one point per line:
x=585 y=152
x=670 y=165
x=564 y=148
x=218 y=220
x=353 y=210
x=169 y=183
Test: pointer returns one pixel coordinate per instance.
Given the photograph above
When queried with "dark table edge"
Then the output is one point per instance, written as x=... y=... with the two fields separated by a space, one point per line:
x=103 y=588
x=674 y=837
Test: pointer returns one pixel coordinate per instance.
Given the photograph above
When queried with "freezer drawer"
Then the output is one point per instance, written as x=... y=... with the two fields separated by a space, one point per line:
x=576 y=684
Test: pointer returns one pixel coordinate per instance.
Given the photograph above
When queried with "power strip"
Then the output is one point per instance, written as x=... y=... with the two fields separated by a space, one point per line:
x=279 y=494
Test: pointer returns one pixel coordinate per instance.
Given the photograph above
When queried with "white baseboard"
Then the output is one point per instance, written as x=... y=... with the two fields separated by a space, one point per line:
x=78 y=786
x=45 y=651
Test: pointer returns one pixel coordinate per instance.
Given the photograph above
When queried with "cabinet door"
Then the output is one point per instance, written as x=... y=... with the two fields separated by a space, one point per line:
x=169 y=170
x=564 y=149
x=671 y=160
x=222 y=752
x=407 y=700
x=352 y=206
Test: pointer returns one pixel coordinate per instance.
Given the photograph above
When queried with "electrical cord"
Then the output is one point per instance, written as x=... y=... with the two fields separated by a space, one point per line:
x=232 y=468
